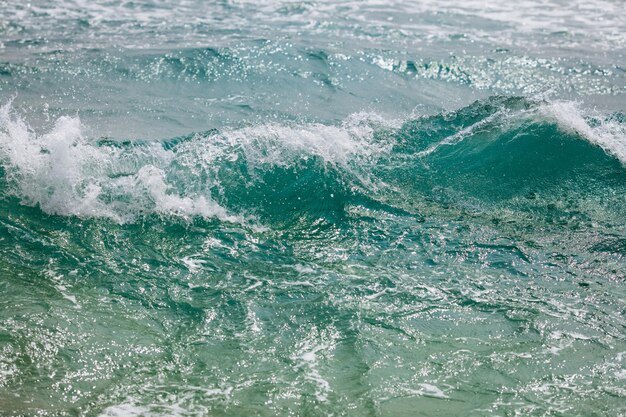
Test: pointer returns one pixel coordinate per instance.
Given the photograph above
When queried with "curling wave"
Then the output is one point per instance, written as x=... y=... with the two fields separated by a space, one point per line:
x=492 y=151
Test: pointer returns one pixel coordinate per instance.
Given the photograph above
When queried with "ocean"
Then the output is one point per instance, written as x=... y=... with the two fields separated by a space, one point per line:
x=312 y=208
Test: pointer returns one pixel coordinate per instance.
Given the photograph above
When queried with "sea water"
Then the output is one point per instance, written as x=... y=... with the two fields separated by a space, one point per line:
x=346 y=208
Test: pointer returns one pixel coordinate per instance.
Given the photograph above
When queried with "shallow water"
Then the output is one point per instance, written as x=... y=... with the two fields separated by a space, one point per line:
x=313 y=208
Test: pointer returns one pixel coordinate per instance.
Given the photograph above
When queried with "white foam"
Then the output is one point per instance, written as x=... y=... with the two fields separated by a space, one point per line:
x=609 y=135
x=61 y=287
x=307 y=360
x=346 y=146
x=192 y=264
x=378 y=294
x=252 y=320
x=298 y=284
x=462 y=134
x=509 y=23
x=179 y=404
x=428 y=390
x=304 y=269
x=125 y=410
x=166 y=202
x=64 y=173
x=256 y=284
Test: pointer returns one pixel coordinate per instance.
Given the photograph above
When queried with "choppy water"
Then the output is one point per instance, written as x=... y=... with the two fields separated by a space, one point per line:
x=381 y=208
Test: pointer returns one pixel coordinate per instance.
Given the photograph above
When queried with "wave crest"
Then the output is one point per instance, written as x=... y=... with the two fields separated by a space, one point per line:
x=494 y=150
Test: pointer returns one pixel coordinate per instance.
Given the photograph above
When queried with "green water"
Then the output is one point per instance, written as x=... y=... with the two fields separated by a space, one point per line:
x=310 y=209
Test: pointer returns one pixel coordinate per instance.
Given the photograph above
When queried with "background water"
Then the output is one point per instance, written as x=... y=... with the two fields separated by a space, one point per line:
x=382 y=208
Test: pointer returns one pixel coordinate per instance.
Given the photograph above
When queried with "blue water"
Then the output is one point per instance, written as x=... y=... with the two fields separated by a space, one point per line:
x=381 y=208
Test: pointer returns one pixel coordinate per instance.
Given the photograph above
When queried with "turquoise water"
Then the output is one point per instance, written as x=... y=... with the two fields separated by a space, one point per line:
x=313 y=208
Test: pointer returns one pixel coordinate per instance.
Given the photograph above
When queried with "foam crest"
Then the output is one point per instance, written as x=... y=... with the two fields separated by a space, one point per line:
x=349 y=147
x=64 y=173
x=609 y=133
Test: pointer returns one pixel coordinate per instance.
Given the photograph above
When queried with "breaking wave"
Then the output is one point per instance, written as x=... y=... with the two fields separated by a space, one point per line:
x=491 y=151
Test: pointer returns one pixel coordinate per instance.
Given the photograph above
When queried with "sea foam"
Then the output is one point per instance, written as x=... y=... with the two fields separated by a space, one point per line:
x=63 y=172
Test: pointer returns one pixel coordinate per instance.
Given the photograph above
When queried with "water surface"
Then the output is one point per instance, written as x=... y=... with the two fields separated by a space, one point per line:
x=381 y=208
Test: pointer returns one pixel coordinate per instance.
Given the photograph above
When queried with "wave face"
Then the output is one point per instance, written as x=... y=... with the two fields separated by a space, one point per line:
x=373 y=208
x=350 y=237
x=505 y=152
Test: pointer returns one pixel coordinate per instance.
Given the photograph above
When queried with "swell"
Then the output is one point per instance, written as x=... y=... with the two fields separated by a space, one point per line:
x=276 y=62
x=505 y=153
